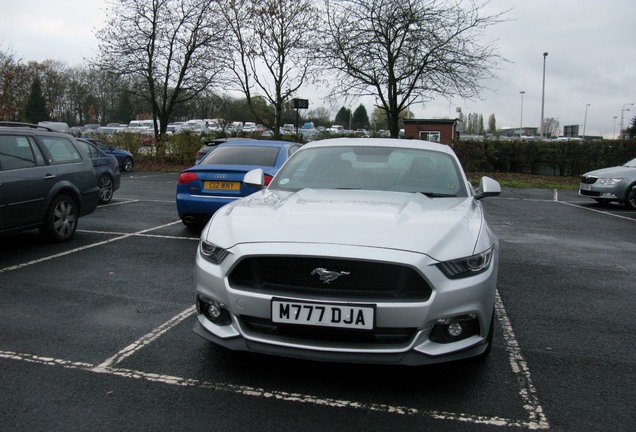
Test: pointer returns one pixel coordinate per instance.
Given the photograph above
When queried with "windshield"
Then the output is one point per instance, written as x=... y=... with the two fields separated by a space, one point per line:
x=631 y=163
x=372 y=168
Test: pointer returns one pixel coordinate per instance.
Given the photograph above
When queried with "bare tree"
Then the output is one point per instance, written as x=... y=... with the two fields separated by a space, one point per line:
x=551 y=127
x=15 y=82
x=273 y=50
x=405 y=51
x=172 y=45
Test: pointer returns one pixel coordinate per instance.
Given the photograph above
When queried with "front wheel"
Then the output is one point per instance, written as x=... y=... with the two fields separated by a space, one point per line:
x=630 y=197
x=60 y=222
x=127 y=164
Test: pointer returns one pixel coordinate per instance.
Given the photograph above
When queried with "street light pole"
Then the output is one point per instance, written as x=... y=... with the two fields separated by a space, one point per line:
x=521 y=116
x=585 y=121
x=614 y=132
x=545 y=54
x=622 y=113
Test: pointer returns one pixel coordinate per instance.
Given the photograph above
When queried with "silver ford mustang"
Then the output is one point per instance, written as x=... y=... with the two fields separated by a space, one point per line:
x=360 y=250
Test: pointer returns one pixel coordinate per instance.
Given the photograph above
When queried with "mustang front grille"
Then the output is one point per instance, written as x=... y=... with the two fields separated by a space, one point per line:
x=330 y=277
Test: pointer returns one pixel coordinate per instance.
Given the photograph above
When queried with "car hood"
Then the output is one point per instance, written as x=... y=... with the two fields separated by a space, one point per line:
x=618 y=171
x=443 y=228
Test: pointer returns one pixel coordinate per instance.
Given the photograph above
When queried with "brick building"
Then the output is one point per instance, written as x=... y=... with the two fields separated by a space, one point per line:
x=444 y=131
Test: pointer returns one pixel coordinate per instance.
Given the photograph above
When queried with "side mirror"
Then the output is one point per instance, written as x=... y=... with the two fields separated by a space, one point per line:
x=487 y=188
x=255 y=178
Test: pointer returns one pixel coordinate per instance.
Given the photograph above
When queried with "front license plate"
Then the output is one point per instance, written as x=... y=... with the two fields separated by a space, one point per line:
x=586 y=187
x=222 y=185
x=348 y=316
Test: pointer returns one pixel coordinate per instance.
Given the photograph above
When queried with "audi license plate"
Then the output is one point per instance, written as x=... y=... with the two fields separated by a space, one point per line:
x=350 y=316
x=222 y=185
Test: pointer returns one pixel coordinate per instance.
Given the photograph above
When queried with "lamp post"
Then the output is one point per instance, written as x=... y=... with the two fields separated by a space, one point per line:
x=545 y=54
x=622 y=114
x=614 y=132
x=585 y=120
x=521 y=116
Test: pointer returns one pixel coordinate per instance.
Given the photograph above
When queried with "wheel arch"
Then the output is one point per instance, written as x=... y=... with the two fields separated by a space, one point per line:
x=66 y=188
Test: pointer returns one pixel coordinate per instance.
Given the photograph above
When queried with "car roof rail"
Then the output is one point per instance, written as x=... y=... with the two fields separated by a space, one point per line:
x=25 y=125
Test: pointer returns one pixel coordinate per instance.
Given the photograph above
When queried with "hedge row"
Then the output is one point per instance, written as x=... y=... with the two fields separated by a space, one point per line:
x=559 y=158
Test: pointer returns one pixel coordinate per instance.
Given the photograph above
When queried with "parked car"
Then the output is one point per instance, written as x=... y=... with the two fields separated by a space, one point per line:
x=124 y=158
x=359 y=250
x=106 y=170
x=611 y=184
x=249 y=127
x=218 y=178
x=55 y=126
x=48 y=181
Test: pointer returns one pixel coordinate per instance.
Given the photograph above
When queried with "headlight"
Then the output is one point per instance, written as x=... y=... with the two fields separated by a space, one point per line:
x=212 y=252
x=609 y=181
x=466 y=267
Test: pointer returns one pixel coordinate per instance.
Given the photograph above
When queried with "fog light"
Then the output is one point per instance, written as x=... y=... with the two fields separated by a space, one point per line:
x=454 y=329
x=214 y=311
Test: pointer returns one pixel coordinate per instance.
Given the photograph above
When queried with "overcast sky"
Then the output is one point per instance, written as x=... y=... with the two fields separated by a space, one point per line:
x=591 y=47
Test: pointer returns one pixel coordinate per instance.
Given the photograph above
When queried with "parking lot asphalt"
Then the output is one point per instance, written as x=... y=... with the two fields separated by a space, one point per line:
x=97 y=333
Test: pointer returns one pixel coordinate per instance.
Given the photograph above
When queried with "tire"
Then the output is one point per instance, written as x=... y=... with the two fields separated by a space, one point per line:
x=127 y=164
x=630 y=197
x=193 y=225
x=60 y=222
x=106 y=189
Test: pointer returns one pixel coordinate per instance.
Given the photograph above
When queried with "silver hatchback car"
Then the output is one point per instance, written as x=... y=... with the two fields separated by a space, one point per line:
x=360 y=250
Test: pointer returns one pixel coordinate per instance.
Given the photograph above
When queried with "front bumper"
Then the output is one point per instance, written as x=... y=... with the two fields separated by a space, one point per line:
x=615 y=192
x=450 y=298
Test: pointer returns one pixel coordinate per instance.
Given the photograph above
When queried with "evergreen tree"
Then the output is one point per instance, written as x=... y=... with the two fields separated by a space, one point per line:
x=35 y=109
x=360 y=119
x=343 y=117
x=124 y=112
x=632 y=130
x=492 y=124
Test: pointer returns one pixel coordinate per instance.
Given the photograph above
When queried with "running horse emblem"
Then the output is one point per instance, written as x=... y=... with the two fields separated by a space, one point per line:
x=328 y=276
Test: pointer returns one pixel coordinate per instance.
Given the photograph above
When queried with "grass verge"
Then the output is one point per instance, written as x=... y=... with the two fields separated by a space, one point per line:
x=528 y=181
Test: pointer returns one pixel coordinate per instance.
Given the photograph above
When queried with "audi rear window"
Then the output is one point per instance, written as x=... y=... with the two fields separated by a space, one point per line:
x=242 y=155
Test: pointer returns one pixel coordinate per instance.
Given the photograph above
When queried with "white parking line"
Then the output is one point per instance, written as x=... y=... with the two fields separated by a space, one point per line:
x=83 y=248
x=144 y=340
x=527 y=391
x=598 y=211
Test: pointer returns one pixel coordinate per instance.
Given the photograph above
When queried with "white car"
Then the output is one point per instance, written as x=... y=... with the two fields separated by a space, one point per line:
x=359 y=250
x=249 y=127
